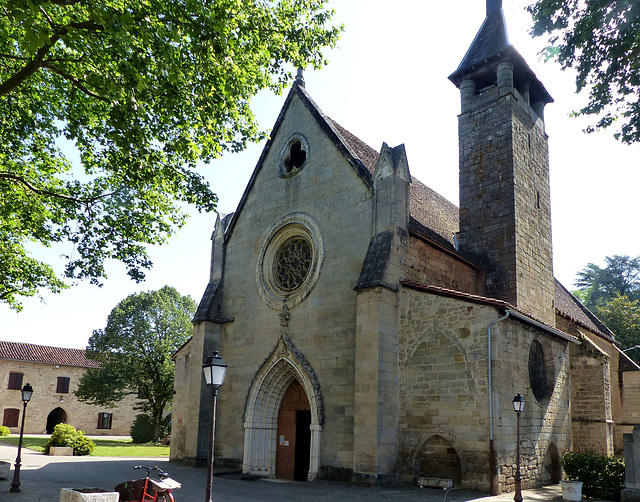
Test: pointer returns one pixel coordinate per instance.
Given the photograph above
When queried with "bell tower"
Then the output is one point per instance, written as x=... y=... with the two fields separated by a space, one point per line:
x=505 y=208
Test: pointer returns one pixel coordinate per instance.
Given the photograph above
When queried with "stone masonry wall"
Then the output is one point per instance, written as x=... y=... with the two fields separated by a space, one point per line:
x=44 y=378
x=505 y=220
x=444 y=393
x=428 y=265
x=590 y=399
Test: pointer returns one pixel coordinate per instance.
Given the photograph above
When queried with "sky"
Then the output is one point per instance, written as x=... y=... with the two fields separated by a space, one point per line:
x=387 y=81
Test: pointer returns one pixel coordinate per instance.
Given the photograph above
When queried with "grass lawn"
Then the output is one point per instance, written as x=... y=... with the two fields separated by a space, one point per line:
x=104 y=447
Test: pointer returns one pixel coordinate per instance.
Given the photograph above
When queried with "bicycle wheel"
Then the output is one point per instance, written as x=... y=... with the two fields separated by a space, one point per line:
x=165 y=497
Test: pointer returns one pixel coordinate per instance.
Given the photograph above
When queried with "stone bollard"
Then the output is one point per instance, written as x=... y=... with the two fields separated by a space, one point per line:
x=5 y=467
x=631 y=492
x=88 y=495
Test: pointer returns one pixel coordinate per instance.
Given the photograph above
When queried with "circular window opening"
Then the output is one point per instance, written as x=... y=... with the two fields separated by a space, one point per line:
x=292 y=263
x=538 y=373
x=294 y=156
x=290 y=260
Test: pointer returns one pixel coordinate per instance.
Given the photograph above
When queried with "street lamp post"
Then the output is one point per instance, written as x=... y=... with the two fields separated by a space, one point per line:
x=27 y=391
x=214 y=369
x=518 y=406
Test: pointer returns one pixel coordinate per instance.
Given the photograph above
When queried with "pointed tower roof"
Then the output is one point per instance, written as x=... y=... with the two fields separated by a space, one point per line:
x=491 y=47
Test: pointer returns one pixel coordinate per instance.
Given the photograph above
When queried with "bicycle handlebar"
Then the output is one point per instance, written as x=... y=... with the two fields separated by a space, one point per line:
x=161 y=473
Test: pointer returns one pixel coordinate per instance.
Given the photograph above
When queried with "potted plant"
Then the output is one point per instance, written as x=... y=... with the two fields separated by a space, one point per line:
x=593 y=474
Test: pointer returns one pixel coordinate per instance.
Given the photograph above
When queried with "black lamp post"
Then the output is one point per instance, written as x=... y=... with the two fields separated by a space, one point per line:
x=27 y=392
x=214 y=369
x=518 y=406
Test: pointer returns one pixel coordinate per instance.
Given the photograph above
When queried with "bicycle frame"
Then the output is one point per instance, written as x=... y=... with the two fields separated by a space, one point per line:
x=148 y=489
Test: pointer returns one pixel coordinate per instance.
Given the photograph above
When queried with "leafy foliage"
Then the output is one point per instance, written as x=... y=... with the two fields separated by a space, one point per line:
x=142 y=429
x=622 y=316
x=4 y=431
x=613 y=294
x=600 y=39
x=602 y=476
x=620 y=277
x=143 y=90
x=67 y=435
x=134 y=351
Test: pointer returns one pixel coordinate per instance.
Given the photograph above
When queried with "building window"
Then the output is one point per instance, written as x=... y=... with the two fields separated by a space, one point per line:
x=63 y=385
x=294 y=156
x=10 y=418
x=104 y=420
x=541 y=372
x=15 y=381
x=290 y=261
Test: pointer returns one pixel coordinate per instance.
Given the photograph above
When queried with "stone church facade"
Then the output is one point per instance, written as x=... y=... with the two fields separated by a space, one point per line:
x=378 y=333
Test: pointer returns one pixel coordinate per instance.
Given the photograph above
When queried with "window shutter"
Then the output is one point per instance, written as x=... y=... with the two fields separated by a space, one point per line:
x=110 y=420
x=15 y=381
x=63 y=385
x=10 y=418
x=99 y=420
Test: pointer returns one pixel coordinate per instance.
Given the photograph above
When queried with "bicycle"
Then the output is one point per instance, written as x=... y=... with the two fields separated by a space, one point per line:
x=148 y=489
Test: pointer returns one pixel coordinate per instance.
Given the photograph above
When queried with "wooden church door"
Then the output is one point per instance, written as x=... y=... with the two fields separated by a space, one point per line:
x=294 y=434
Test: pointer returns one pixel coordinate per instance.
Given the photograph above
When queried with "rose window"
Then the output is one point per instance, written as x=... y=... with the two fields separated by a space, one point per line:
x=293 y=263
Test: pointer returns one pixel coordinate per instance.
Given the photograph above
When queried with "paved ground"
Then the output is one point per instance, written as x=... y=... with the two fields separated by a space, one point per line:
x=42 y=477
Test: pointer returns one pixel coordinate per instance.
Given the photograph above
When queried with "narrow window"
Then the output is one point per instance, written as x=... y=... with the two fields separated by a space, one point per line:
x=10 y=418
x=63 y=385
x=15 y=381
x=104 y=420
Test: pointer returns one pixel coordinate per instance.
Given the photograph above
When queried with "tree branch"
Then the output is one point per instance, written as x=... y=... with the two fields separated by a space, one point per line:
x=76 y=82
x=22 y=181
x=37 y=61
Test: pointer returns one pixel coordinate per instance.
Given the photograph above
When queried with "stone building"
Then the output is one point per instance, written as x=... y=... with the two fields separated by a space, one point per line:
x=54 y=373
x=376 y=332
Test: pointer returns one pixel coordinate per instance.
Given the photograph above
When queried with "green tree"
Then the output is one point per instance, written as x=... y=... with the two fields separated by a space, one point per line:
x=622 y=316
x=620 y=277
x=600 y=39
x=143 y=90
x=135 y=349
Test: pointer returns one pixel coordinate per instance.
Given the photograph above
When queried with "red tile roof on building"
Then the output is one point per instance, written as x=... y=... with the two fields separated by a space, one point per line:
x=29 y=352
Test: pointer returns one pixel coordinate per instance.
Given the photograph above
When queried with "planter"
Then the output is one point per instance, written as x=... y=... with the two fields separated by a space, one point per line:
x=87 y=495
x=5 y=467
x=571 y=490
x=61 y=450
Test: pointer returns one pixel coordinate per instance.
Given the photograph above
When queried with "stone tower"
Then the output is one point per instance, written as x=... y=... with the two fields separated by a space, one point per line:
x=505 y=210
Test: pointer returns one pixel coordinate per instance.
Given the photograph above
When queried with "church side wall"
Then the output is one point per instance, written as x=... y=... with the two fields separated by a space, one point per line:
x=321 y=327
x=444 y=411
x=427 y=265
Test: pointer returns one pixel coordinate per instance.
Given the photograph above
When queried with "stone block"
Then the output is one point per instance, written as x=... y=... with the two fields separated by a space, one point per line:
x=87 y=495
x=424 y=482
x=66 y=451
x=5 y=467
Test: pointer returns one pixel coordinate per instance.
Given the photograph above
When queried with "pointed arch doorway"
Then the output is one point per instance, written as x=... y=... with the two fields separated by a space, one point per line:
x=57 y=416
x=294 y=434
x=284 y=404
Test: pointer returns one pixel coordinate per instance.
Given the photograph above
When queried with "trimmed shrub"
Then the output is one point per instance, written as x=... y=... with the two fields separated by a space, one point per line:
x=67 y=435
x=602 y=477
x=142 y=429
x=4 y=431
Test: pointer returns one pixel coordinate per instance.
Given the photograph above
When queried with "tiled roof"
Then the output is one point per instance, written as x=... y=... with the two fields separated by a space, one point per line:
x=570 y=307
x=15 y=351
x=428 y=208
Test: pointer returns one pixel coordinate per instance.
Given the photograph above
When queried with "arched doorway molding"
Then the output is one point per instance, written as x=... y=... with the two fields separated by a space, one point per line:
x=285 y=364
x=428 y=437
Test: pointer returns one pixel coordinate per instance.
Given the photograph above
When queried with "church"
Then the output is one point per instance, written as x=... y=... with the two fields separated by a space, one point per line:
x=376 y=333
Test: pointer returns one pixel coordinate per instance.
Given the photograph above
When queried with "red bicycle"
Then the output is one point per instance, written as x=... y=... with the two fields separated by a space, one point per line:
x=148 y=489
